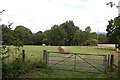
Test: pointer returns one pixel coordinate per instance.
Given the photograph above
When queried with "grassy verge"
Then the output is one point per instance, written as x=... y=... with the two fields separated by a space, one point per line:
x=51 y=73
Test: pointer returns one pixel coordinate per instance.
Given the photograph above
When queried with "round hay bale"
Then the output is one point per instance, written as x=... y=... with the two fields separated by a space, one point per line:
x=43 y=45
x=64 y=50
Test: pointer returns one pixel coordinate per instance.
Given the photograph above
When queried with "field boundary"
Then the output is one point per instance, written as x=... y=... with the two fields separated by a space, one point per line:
x=102 y=63
x=97 y=47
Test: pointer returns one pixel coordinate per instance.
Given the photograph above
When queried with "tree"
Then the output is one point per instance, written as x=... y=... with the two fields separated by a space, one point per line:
x=47 y=40
x=1 y=13
x=111 y=4
x=93 y=35
x=56 y=36
x=70 y=29
x=88 y=29
x=113 y=30
x=23 y=34
x=7 y=35
x=102 y=38
x=80 y=37
x=38 y=38
x=118 y=39
x=90 y=42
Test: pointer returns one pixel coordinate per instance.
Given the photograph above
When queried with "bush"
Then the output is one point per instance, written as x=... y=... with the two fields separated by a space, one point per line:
x=90 y=42
x=17 y=67
x=14 y=69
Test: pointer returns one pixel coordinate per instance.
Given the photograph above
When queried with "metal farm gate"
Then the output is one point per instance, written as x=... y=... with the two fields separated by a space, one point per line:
x=79 y=62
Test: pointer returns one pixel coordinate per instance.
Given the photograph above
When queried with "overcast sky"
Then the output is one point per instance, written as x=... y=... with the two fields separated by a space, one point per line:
x=41 y=15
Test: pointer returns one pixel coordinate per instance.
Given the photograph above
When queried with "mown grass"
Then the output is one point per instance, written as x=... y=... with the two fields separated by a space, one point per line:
x=52 y=73
x=34 y=54
x=70 y=74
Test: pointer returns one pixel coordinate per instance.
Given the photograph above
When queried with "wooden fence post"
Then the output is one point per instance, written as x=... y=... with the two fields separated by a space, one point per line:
x=108 y=62
x=45 y=57
x=111 y=62
x=105 y=64
x=23 y=55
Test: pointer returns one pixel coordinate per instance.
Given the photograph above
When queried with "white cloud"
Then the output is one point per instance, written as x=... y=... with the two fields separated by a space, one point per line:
x=43 y=14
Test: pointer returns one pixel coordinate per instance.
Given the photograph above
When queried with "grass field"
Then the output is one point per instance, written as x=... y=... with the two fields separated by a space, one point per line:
x=35 y=54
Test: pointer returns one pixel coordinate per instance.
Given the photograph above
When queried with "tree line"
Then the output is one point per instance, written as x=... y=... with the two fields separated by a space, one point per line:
x=65 y=34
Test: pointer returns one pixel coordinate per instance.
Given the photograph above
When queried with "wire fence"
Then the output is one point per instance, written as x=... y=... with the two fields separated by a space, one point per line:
x=10 y=55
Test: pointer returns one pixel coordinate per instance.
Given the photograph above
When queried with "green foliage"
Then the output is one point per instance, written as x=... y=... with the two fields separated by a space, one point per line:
x=11 y=70
x=64 y=34
x=118 y=39
x=3 y=51
x=7 y=35
x=88 y=29
x=47 y=37
x=57 y=36
x=22 y=34
x=39 y=65
x=14 y=69
x=90 y=42
x=17 y=67
x=93 y=35
x=117 y=73
x=70 y=29
x=113 y=29
x=38 y=38
x=18 y=43
x=102 y=38
x=47 y=70
x=80 y=37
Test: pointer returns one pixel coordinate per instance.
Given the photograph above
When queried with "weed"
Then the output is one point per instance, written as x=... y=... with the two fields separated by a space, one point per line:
x=15 y=68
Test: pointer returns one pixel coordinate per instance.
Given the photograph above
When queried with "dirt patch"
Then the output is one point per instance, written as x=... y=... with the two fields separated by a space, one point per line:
x=33 y=74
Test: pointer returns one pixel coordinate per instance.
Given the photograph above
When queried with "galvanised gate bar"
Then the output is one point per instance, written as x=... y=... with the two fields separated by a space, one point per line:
x=79 y=62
